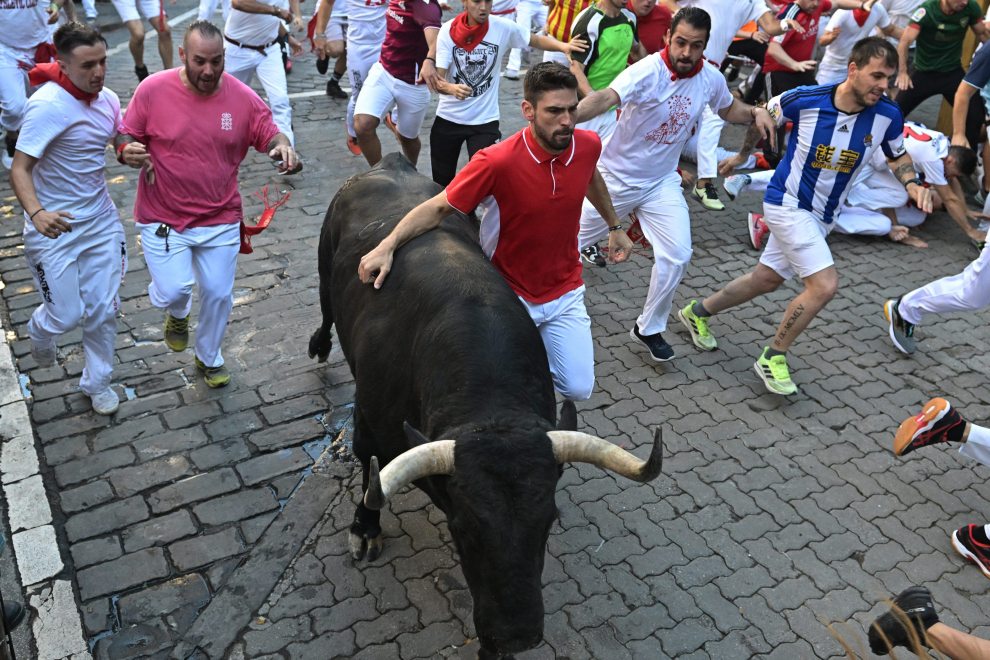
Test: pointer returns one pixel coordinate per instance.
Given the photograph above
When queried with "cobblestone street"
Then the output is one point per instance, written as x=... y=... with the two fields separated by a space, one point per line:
x=212 y=524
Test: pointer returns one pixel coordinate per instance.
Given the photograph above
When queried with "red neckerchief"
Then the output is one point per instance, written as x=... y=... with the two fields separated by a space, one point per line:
x=43 y=73
x=467 y=37
x=860 y=15
x=674 y=75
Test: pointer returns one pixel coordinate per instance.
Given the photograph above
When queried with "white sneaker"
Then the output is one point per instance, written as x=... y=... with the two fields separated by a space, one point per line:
x=106 y=402
x=7 y=160
x=512 y=74
x=734 y=184
x=45 y=357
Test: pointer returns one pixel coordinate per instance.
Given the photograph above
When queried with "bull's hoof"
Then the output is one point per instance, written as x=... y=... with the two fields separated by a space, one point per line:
x=365 y=548
x=320 y=345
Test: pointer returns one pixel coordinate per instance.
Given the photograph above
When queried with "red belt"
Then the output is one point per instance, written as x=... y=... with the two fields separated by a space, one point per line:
x=260 y=49
x=503 y=13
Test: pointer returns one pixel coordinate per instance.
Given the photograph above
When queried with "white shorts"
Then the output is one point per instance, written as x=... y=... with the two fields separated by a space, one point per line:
x=554 y=56
x=382 y=90
x=797 y=242
x=337 y=28
x=134 y=10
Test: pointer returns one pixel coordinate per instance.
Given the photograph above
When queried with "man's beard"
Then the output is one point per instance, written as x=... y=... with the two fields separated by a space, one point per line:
x=864 y=100
x=205 y=86
x=557 y=140
x=688 y=64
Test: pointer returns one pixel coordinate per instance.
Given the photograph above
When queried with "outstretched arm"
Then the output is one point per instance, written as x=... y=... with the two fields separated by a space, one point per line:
x=376 y=264
x=903 y=168
x=596 y=104
x=903 y=51
x=544 y=42
x=741 y=113
x=281 y=149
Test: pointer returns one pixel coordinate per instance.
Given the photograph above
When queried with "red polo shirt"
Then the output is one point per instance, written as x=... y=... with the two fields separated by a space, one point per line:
x=532 y=210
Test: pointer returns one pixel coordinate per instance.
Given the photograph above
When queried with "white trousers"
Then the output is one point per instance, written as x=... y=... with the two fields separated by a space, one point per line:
x=364 y=47
x=89 y=6
x=207 y=8
x=977 y=445
x=690 y=154
x=709 y=132
x=244 y=63
x=206 y=257
x=529 y=14
x=554 y=56
x=565 y=328
x=14 y=63
x=78 y=275
x=965 y=292
x=759 y=181
x=604 y=124
x=663 y=215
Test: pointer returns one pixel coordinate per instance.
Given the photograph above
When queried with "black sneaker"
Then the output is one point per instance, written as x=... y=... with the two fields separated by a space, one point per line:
x=901 y=332
x=334 y=91
x=322 y=65
x=965 y=543
x=13 y=614
x=889 y=629
x=659 y=348
x=594 y=255
x=141 y=71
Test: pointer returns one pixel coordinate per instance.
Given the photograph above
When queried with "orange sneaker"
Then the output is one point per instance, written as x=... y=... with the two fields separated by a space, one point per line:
x=352 y=144
x=761 y=162
x=929 y=428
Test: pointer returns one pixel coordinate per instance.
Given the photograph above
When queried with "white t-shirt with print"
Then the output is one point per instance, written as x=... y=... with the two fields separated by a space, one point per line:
x=658 y=115
x=728 y=16
x=26 y=25
x=837 y=52
x=478 y=69
x=70 y=138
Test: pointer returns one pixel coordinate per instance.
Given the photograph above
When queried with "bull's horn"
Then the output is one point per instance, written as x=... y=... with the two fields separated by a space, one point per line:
x=575 y=447
x=416 y=463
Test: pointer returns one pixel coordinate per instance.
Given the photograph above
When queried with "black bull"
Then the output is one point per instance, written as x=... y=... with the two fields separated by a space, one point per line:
x=446 y=347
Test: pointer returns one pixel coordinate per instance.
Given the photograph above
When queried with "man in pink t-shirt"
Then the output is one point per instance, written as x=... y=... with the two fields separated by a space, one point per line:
x=411 y=31
x=188 y=129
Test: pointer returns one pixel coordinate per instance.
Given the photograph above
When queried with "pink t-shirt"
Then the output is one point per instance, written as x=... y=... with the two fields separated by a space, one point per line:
x=196 y=145
x=405 y=45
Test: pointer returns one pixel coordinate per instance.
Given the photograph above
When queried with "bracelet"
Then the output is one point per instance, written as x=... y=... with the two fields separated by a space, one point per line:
x=430 y=59
x=52 y=5
x=319 y=36
x=120 y=153
x=31 y=217
x=615 y=228
x=915 y=181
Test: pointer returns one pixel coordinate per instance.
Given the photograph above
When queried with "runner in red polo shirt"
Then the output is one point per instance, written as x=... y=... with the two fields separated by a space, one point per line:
x=532 y=186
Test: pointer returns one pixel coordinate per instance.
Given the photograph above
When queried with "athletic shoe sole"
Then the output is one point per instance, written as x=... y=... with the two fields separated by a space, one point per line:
x=933 y=411
x=632 y=335
x=694 y=335
x=888 y=312
x=752 y=236
x=766 y=381
x=966 y=554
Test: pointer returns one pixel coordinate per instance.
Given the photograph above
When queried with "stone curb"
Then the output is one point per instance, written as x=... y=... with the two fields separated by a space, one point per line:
x=57 y=626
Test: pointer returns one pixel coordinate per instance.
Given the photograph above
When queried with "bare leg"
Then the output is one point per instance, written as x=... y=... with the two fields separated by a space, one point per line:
x=136 y=43
x=744 y=288
x=164 y=42
x=365 y=126
x=958 y=645
x=819 y=289
x=411 y=148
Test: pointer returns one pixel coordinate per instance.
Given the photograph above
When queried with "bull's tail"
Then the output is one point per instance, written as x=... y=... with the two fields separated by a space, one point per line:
x=321 y=342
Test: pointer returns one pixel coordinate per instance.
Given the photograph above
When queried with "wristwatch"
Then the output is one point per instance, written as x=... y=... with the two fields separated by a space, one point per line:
x=915 y=181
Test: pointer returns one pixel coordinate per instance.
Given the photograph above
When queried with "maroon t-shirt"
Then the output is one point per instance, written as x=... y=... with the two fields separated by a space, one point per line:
x=405 y=45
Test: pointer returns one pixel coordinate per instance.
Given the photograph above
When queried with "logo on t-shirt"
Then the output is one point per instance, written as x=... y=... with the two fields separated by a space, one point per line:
x=843 y=129
x=918 y=15
x=226 y=122
x=676 y=120
x=476 y=69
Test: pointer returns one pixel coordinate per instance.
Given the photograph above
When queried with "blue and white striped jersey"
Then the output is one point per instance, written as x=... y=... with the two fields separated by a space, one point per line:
x=827 y=147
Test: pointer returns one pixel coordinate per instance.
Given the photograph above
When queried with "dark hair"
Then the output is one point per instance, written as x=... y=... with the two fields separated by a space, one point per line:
x=965 y=159
x=74 y=34
x=865 y=50
x=547 y=77
x=696 y=17
x=205 y=28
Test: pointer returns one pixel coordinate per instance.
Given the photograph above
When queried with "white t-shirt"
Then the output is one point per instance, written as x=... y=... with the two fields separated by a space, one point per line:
x=727 y=17
x=70 y=138
x=25 y=26
x=478 y=69
x=837 y=52
x=366 y=10
x=900 y=10
x=657 y=117
x=254 y=29
x=927 y=149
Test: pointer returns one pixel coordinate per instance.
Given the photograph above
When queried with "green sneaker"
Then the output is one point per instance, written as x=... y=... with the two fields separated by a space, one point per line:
x=774 y=373
x=176 y=333
x=698 y=327
x=214 y=376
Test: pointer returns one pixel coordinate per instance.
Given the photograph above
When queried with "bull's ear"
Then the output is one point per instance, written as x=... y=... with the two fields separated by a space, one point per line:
x=415 y=437
x=568 y=417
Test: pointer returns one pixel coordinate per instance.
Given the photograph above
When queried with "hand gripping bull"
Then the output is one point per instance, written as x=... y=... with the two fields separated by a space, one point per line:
x=446 y=347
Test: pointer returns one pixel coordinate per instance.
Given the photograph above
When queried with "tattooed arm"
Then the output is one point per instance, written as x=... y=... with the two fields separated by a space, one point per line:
x=903 y=168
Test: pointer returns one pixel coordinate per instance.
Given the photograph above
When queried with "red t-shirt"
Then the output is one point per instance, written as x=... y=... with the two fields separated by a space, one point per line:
x=652 y=28
x=800 y=47
x=196 y=144
x=532 y=210
x=405 y=45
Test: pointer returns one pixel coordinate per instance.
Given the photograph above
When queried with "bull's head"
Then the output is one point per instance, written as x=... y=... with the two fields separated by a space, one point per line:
x=501 y=510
